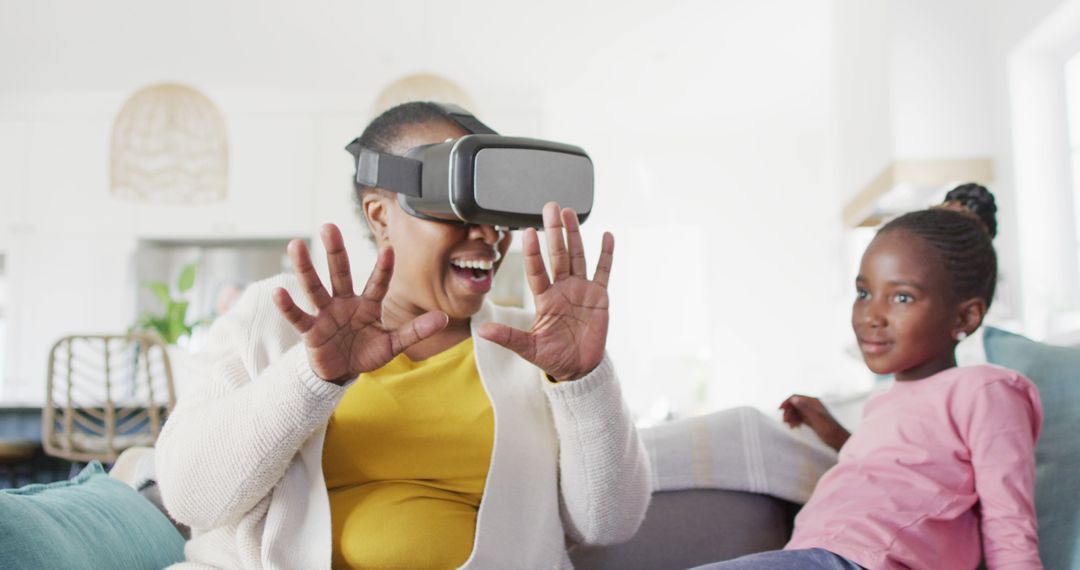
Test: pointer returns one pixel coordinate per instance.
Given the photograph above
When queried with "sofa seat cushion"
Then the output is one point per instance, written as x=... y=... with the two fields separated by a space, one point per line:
x=89 y=521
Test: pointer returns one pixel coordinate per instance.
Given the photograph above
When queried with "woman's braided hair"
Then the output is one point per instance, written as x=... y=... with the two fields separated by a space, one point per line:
x=961 y=231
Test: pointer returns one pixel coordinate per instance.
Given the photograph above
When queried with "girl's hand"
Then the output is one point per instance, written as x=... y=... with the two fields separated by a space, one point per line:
x=345 y=336
x=570 y=330
x=799 y=409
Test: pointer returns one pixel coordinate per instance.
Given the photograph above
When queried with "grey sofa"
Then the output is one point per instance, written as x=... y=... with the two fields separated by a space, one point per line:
x=683 y=529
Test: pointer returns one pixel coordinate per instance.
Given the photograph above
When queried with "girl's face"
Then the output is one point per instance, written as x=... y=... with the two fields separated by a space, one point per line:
x=437 y=266
x=905 y=314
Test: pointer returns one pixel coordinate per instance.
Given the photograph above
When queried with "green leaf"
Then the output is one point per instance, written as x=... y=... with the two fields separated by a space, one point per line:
x=171 y=324
x=161 y=291
x=176 y=326
x=187 y=277
x=158 y=325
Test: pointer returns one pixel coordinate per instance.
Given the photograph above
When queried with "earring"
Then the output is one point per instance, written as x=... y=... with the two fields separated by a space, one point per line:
x=961 y=335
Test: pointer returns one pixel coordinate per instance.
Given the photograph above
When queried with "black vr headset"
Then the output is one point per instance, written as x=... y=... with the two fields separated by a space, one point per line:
x=482 y=177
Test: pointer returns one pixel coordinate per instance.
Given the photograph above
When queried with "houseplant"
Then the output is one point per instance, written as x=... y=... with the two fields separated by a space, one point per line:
x=171 y=325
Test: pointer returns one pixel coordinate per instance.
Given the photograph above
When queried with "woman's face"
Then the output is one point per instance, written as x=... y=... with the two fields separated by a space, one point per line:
x=437 y=266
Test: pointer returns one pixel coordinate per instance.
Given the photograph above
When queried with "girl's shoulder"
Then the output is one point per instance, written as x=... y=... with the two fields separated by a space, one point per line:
x=994 y=391
x=979 y=376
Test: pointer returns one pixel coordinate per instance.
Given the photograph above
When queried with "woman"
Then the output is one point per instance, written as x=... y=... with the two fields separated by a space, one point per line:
x=364 y=430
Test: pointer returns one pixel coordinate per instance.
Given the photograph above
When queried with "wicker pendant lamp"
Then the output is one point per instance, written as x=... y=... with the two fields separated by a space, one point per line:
x=169 y=147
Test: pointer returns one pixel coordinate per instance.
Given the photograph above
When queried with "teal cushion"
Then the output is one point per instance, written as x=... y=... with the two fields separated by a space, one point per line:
x=90 y=521
x=1056 y=371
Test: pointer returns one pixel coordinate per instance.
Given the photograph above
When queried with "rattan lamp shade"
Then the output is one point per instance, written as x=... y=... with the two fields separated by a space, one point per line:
x=169 y=147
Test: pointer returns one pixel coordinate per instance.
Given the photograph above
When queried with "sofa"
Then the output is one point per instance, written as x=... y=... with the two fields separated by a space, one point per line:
x=726 y=484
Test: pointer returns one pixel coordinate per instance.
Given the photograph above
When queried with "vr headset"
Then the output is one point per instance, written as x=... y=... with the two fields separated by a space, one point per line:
x=482 y=177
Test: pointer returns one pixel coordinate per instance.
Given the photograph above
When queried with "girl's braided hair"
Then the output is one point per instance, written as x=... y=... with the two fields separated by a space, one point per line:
x=961 y=231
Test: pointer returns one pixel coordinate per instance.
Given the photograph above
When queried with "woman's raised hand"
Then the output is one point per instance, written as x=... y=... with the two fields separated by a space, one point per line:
x=345 y=336
x=568 y=336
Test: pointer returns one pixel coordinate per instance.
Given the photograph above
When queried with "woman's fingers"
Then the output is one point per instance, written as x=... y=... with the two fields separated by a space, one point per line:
x=337 y=259
x=574 y=246
x=305 y=271
x=553 y=230
x=603 y=265
x=516 y=340
x=535 y=272
x=379 y=281
x=567 y=254
x=300 y=320
x=417 y=330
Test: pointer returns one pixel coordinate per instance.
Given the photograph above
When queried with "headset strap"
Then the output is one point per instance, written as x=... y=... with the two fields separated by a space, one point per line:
x=465 y=119
x=397 y=173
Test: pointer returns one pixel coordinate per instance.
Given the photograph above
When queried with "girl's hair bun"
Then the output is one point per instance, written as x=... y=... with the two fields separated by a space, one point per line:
x=979 y=201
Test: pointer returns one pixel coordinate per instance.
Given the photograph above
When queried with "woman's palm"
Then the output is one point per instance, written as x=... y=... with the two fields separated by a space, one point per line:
x=569 y=333
x=345 y=335
x=570 y=329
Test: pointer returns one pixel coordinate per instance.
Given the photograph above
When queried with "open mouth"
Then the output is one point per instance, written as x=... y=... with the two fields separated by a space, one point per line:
x=476 y=272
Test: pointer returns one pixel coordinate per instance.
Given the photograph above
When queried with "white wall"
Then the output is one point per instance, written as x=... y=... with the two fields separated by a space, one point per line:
x=711 y=125
x=1042 y=172
x=862 y=94
x=940 y=63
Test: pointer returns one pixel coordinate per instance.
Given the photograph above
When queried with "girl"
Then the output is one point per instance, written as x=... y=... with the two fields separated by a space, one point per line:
x=941 y=471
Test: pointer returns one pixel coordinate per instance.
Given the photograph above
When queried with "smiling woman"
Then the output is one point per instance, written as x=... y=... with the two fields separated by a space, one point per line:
x=415 y=424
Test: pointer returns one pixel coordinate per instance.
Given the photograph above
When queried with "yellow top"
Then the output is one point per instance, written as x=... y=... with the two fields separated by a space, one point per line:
x=406 y=456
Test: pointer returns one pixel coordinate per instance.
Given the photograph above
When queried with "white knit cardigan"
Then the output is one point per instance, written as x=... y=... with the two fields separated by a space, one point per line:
x=240 y=458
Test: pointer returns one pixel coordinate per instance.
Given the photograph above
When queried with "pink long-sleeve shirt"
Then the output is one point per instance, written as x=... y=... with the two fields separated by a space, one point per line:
x=935 y=464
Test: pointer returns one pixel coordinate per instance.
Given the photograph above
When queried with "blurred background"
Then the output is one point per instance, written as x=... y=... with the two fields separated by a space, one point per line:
x=744 y=150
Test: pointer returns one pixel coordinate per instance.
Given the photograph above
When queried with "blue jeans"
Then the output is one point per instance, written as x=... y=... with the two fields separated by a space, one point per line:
x=810 y=559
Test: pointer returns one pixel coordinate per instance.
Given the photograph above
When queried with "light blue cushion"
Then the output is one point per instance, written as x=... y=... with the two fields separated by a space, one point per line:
x=1056 y=371
x=90 y=521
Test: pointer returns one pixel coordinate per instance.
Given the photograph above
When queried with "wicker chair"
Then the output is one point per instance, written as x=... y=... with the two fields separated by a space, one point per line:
x=105 y=393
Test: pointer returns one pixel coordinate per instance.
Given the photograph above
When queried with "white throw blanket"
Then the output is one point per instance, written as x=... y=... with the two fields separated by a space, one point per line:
x=739 y=449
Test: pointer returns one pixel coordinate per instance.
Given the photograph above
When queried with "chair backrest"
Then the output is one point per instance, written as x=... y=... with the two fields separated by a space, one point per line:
x=105 y=393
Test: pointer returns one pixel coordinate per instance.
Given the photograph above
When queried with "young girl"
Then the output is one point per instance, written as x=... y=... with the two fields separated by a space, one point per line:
x=941 y=472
